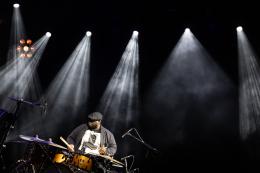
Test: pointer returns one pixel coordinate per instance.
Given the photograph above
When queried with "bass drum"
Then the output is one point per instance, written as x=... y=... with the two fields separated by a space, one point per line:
x=62 y=168
x=56 y=168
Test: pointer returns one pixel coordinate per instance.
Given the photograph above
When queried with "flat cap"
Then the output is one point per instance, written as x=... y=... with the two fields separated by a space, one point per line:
x=95 y=116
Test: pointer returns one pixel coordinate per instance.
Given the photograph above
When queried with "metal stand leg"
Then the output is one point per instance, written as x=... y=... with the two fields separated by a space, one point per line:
x=2 y=163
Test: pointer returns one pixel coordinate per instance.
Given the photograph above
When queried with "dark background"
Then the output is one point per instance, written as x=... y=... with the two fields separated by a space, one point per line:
x=160 y=25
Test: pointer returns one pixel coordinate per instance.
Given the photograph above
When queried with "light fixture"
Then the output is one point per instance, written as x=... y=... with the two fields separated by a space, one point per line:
x=187 y=29
x=88 y=33
x=135 y=33
x=239 y=28
x=16 y=5
x=25 y=49
x=48 y=34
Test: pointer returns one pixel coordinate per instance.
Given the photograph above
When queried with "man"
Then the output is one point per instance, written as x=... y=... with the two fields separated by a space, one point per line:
x=92 y=137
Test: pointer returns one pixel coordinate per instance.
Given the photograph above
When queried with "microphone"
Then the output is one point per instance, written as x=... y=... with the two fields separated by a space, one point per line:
x=123 y=158
x=127 y=132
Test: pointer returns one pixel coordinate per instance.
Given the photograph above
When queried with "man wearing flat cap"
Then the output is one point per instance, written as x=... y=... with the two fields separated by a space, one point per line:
x=92 y=137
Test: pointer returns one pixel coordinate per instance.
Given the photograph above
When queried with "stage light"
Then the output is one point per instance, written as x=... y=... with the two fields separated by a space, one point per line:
x=239 y=29
x=29 y=55
x=18 y=48
x=48 y=34
x=25 y=50
x=29 y=41
x=135 y=33
x=187 y=30
x=22 y=55
x=88 y=33
x=16 y=5
x=22 y=41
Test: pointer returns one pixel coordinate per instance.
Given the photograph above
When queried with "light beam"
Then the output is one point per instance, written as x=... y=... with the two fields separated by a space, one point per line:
x=249 y=87
x=119 y=102
x=189 y=97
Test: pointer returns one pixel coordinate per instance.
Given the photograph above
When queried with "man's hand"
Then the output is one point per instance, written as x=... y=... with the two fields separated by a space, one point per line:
x=102 y=150
x=71 y=148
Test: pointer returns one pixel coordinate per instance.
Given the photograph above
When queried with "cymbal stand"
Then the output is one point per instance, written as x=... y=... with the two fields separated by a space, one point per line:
x=25 y=163
x=9 y=125
x=126 y=164
x=28 y=163
x=14 y=117
x=2 y=163
x=126 y=170
x=45 y=151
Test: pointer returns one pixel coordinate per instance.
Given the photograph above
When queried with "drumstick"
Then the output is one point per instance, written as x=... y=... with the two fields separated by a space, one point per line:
x=66 y=143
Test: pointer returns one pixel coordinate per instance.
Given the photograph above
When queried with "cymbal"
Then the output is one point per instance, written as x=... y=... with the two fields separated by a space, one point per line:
x=33 y=139
x=38 y=140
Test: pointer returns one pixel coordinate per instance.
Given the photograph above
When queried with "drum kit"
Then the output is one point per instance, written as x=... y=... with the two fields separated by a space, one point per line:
x=40 y=154
x=61 y=157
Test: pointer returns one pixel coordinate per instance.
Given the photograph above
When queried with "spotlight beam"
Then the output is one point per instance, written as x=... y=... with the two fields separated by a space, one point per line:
x=249 y=90
x=190 y=94
x=120 y=98
x=68 y=91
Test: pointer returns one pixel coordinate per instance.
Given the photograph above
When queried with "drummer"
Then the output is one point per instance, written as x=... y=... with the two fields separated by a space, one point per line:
x=92 y=137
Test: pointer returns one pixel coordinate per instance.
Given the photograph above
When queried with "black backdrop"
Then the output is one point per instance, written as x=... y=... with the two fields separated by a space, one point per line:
x=160 y=24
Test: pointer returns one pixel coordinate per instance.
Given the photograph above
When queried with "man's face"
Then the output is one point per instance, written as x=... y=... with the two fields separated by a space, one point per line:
x=94 y=124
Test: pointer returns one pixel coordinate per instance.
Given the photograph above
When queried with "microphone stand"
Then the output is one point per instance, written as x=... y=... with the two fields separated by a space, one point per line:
x=139 y=139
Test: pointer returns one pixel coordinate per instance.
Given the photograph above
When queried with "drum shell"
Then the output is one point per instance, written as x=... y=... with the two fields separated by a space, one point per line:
x=82 y=162
x=60 y=158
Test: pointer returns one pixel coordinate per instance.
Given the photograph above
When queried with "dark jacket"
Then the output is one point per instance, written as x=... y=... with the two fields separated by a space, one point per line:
x=107 y=138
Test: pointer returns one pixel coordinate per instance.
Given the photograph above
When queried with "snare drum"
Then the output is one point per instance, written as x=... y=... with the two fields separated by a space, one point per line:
x=82 y=162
